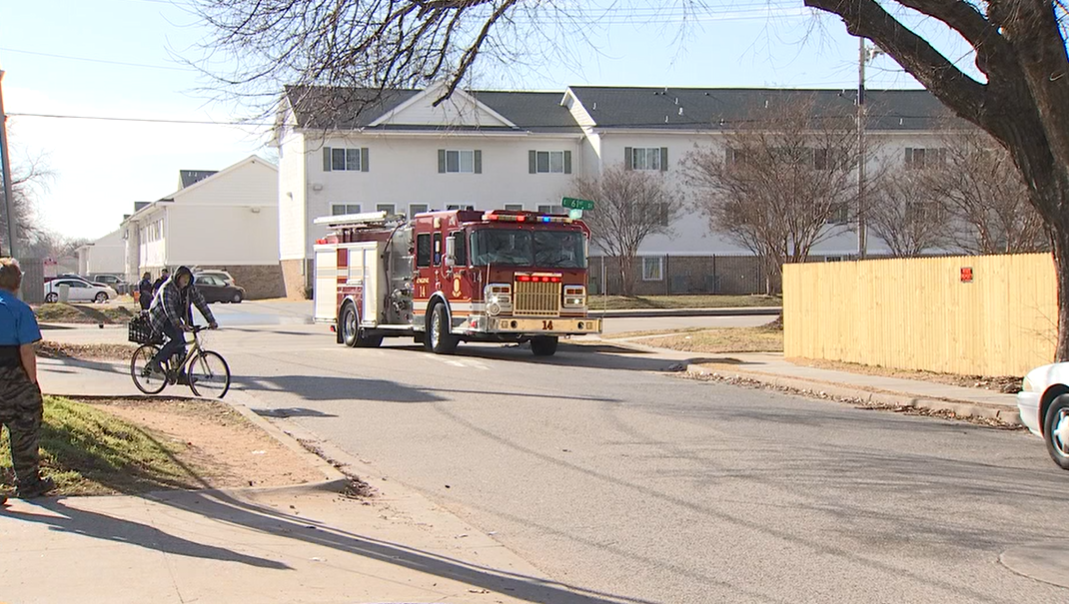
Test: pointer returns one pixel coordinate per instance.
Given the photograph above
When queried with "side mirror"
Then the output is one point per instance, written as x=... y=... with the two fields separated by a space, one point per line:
x=450 y=251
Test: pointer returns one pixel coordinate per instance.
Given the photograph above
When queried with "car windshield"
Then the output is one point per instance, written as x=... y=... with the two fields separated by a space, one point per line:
x=515 y=247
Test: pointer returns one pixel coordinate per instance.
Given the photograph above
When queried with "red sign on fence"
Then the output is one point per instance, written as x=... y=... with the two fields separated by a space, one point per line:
x=966 y=274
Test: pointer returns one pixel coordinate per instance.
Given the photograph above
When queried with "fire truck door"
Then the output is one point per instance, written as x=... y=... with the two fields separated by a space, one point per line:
x=439 y=262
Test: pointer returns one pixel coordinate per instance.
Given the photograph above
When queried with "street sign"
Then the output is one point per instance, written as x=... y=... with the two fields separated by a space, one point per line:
x=575 y=214
x=577 y=204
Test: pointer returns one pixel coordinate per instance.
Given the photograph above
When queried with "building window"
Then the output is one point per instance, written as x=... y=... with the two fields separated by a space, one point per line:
x=345 y=160
x=652 y=268
x=640 y=158
x=416 y=208
x=549 y=162
x=840 y=213
x=386 y=207
x=919 y=159
x=341 y=209
x=923 y=211
x=513 y=207
x=552 y=210
x=460 y=162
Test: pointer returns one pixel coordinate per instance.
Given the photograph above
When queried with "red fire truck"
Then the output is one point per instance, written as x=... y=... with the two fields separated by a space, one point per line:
x=451 y=276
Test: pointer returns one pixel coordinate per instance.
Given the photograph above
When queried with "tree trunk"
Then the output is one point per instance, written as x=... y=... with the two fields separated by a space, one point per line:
x=1061 y=266
x=627 y=275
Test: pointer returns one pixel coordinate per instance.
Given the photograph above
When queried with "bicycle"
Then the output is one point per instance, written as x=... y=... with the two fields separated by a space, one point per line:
x=206 y=370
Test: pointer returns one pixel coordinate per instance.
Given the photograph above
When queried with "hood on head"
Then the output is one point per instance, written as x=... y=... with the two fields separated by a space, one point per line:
x=182 y=270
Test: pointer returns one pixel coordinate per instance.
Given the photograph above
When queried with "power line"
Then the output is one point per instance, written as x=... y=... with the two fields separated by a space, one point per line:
x=107 y=118
x=89 y=60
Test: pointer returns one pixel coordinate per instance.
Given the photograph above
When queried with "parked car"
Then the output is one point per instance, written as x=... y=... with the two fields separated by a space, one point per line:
x=1044 y=407
x=113 y=281
x=225 y=276
x=79 y=291
x=216 y=289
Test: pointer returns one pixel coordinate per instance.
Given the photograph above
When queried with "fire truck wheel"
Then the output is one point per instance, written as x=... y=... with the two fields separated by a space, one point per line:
x=349 y=326
x=544 y=346
x=439 y=338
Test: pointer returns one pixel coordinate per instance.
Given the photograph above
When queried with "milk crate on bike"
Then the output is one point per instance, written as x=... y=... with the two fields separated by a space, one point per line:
x=140 y=331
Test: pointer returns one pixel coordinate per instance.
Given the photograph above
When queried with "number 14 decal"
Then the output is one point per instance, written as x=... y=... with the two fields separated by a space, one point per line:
x=547 y=325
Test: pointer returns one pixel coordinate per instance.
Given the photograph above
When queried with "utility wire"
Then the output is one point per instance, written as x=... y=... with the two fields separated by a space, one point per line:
x=89 y=60
x=137 y=119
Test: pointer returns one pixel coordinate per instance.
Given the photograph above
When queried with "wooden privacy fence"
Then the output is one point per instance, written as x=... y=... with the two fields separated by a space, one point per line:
x=972 y=315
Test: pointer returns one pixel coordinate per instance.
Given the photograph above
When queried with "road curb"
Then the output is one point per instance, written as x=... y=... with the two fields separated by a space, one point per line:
x=649 y=313
x=960 y=408
x=334 y=478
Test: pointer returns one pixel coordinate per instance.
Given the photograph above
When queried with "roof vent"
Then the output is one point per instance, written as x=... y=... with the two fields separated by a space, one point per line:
x=680 y=111
x=766 y=103
x=901 y=122
x=677 y=100
x=706 y=94
x=666 y=119
x=595 y=106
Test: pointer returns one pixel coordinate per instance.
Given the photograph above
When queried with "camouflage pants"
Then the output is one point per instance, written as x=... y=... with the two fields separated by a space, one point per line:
x=21 y=410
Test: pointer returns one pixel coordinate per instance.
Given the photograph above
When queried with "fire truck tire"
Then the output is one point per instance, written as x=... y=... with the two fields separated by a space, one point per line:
x=544 y=346
x=352 y=334
x=439 y=338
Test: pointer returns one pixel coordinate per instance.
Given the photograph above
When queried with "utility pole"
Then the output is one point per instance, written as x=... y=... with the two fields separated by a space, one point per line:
x=862 y=239
x=5 y=165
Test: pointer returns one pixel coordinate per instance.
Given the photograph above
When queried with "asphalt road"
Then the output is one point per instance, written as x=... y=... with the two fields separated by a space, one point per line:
x=646 y=487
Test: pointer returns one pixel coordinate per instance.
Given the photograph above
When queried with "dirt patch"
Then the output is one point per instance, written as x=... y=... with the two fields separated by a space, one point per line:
x=60 y=350
x=1003 y=384
x=94 y=314
x=227 y=449
x=855 y=401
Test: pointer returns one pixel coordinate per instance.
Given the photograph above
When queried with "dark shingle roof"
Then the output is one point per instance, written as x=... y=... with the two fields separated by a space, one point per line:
x=715 y=108
x=351 y=108
x=618 y=107
x=190 y=177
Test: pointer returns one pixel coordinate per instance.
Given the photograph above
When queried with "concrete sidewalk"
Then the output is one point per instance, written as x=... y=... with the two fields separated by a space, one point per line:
x=288 y=544
x=773 y=369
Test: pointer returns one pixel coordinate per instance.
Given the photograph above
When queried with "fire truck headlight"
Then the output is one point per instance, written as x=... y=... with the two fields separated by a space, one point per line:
x=493 y=309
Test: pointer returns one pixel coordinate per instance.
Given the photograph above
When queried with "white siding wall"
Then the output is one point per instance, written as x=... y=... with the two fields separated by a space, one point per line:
x=230 y=218
x=458 y=110
x=153 y=239
x=292 y=196
x=106 y=255
x=223 y=235
x=404 y=170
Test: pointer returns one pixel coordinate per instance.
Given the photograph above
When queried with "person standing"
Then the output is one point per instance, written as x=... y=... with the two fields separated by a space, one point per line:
x=164 y=275
x=21 y=404
x=145 y=291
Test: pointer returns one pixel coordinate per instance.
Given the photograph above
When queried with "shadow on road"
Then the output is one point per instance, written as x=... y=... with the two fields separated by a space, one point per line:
x=331 y=388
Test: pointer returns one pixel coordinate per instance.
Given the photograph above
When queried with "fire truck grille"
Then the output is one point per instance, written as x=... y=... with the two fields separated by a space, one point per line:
x=536 y=299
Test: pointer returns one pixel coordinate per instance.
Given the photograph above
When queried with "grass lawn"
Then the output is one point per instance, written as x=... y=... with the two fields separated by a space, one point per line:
x=669 y=302
x=83 y=313
x=714 y=341
x=90 y=452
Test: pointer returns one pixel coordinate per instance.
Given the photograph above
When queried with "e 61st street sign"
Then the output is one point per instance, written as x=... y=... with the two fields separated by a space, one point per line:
x=576 y=204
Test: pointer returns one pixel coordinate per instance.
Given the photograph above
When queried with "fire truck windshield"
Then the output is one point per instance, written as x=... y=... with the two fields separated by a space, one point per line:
x=538 y=249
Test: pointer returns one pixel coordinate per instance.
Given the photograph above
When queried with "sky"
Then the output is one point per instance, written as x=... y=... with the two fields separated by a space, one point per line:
x=122 y=59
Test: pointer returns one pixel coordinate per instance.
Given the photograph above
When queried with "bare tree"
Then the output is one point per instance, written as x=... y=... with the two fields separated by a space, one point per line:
x=630 y=205
x=29 y=178
x=982 y=191
x=1024 y=103
x=904 y=213
x=780 y=182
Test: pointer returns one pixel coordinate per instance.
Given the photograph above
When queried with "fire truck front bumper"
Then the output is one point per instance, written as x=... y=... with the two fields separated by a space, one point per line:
x=548 y=326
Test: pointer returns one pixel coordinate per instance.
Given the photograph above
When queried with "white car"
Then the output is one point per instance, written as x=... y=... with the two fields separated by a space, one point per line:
x=1044 y=407
x=79 y=291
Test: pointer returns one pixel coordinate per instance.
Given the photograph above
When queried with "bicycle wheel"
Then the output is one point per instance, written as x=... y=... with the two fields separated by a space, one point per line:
x=147 y=382
x=209 y=375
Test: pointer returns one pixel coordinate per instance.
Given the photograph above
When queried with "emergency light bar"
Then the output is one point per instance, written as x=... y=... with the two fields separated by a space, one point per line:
x=351 y=219
x=494 y=216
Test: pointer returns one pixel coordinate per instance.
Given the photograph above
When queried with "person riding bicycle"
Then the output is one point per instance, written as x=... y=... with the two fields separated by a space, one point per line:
x=171 y=314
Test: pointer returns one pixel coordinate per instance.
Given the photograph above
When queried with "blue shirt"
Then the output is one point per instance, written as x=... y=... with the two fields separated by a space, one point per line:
x=18 y=325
